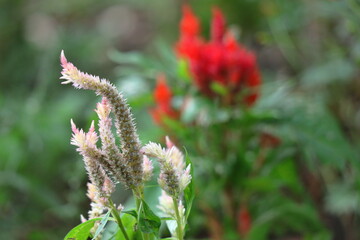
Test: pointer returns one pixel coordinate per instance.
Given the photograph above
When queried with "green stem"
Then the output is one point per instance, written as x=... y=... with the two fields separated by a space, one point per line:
x=138 y=195
x=179 y=227
x=116 y=215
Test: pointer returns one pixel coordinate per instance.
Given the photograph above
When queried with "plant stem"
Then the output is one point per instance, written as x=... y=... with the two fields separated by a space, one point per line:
x=179 y=227
x=116 y=215
x=138 y=195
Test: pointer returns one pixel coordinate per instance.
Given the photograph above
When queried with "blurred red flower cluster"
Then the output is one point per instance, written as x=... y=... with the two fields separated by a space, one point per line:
x=163 y=96
x=220 y=61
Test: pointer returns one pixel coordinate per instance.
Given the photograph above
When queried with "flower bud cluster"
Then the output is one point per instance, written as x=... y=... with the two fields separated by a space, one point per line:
x=114 y=157
x=98 y=202
x=167 y=207
x=174 y=175
x=147 y=168
x=86 y=146
x=124 y=165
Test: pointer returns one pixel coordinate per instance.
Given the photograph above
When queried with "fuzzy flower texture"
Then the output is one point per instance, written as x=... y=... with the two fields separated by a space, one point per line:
x=173 y=179
x=174 y=175
x=122 y=163
x=221 y=61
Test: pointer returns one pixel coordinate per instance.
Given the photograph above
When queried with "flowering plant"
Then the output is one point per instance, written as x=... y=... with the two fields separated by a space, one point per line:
x=244 y=135
x=221 y=66
x=226 y=77
x=254 y=144
x=127 y=164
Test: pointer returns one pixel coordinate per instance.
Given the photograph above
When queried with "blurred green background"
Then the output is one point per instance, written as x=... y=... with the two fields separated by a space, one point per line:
x=314 y=46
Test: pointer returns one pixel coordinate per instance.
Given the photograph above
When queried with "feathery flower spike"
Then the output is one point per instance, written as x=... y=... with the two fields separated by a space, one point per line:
x=86 y=142
x=112 y=153
x=166 y=206
x=96 y=165
x=124 y=122
x=174 y=177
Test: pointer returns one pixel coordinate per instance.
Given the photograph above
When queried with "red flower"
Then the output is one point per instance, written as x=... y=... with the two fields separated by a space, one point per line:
x=244 y=220
x=163 y=96
x=221 y=60
x=189 y=42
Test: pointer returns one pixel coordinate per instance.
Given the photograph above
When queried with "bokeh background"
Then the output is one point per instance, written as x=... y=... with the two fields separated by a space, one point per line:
x=311 y=47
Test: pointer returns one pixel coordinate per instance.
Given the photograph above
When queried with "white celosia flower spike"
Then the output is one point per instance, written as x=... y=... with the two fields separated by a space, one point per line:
x=112 y=153
x=176 y=158
x=173 y=176
x=167 y=207
x=154 y=150
x=71 y=74
x=185 y=178
x=124 y=123
x=94 y=159
x=83 y=140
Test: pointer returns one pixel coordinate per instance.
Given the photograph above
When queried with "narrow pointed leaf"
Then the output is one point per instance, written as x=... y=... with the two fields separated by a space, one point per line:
x=149 y=222
x=103 y=222
x=189 y=193
x=81 y=231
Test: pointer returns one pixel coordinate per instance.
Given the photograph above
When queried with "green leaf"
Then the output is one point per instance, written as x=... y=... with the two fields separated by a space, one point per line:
x=129 y=223
x=259 y=232
x=333 y=71
x=81 y=231
x=131 y=212
x=261 y=184
x=321 y=138
x=219 y=88
x=183 y=70
x=149 y=222
x=113 y=232
x=189 y=193
x=103 y=222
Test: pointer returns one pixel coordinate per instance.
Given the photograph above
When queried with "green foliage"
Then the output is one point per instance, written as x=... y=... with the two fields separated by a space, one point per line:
x=82 y=231
x=149 y=222
x=101 y=227
x=112 y=231
x=129 y=224
x=189 y=192
x=132 y=213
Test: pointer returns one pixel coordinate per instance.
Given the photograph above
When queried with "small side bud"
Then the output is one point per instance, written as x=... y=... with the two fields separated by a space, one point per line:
x=185 y=178
x=147 y=168
x=120 y=208
x=82 y=218
x=63 y=59
x=169 y=143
